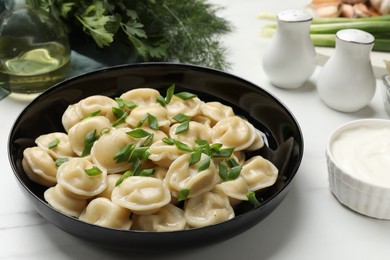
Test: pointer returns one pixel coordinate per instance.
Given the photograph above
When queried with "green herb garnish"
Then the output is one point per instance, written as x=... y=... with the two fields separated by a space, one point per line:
x=124 y=153
x=138 y=133
x=183 y=194
x=125 y=104
x=252 y=198
x=53 y=144
x=92 y=114
x=229 y=171
x=152 y=120
x=90 y=138
x=169 y=94
x=185 y=95
x=94 y=171
x=60 y=161
x=204 y=164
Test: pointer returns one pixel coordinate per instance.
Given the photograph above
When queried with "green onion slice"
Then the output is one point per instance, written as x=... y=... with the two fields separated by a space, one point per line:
x=252 y=198
x=204 y=164
x=138 y=133
x=60 y=161
x=92 y=114
x=94 y=171
x=183 y=194
x=185 y=95
x=90 y=138
x=124 y=153
x=53 y=144
x=183 y=127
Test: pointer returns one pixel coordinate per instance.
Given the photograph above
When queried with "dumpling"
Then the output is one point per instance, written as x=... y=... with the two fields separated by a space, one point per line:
x=77 y=133
x=62 y=149
x=141 y=96
x=234 y=132
x=163 y=154
x=259 y=173
x=196 y=131
x=59 y=198
x=216 y=111
x=208 y=209
x=107 y=146
x=168 y=218
x=39 y=166
x=103 y=212
x=139 y=113
x=235 y=189
x=189 y=107
x=73 y=177
x=111 y=182
x=141 y=195
x=182 y=176
x=258 y=142
x=77 y=112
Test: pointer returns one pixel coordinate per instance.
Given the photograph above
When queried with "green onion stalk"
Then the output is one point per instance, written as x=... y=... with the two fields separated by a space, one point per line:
x=323 y=30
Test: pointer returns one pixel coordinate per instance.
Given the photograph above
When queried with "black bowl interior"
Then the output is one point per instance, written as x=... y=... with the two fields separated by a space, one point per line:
x=281 y=131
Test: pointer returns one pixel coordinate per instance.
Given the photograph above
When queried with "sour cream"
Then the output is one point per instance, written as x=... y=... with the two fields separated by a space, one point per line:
x=362 y=149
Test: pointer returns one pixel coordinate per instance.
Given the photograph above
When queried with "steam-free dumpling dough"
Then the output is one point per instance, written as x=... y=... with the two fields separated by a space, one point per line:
x=106 y=147
x=181 y=176
x=60 y=199
x=234 y=132
x=208 y=209
x=141 y=96
x=39 y=166
x=189 y=107
x=62 y=150
x=111 y=184
x=141 y=195
x=163 y=154
x=72 y=176
x=235 y=189
x=103 y=212
x=216 y=111
x=155 y=109
x=75 y=113
x=77 y=134
x=196 y=131
x=259 y=173
x=168 y=218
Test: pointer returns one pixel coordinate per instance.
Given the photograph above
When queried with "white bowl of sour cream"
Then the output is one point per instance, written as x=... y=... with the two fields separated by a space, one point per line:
x=358 y=158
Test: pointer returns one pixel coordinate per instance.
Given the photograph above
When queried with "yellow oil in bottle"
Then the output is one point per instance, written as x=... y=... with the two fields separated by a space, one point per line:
x=34 y=69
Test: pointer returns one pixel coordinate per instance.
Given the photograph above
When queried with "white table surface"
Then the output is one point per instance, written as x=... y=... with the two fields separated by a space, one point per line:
x=309 y=224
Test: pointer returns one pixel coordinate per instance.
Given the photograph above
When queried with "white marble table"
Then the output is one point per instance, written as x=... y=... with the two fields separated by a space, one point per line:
x=309 y=224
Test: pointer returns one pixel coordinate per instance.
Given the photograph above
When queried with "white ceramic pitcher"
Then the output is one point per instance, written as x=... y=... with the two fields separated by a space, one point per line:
x=346 y=82
x=290 y=59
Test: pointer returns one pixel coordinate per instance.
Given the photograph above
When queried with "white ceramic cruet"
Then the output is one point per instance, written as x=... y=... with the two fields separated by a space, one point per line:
x=346 y=82
x=290 y=59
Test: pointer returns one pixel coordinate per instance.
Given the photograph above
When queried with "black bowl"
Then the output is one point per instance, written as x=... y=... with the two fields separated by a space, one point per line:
x=282 y=132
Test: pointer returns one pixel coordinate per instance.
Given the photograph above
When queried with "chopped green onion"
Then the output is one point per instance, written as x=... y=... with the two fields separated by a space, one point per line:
x=181 y=118
x=252 y=198
x=185 y=95
x=94 y=171
x=124 y=153
x=117 y=112
x=169 y=94
x=88 y=142
x=152 y=120
x=53 y=144
x=204 y=164
x=195 y=157
x=138 y=153
x=146 y=172
x=60 y=161
x=227 y=152
x=121 y=119
x=232 y=163
x=148 y=141
x=229 y=172
x=92 y=114
x=169 y=141
x=161 y=100
x=125 y=104
x=153 y=123
x=183 y=194
x=138 y=133
x=105 y=130
x=183 y=127
x=123 y=177
x=182 y=146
